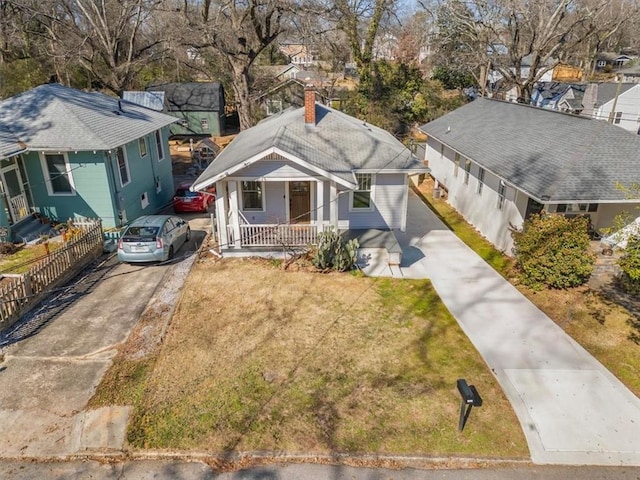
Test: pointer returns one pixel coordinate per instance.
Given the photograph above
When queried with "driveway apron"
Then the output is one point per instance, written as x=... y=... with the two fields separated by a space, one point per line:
x=572 y=409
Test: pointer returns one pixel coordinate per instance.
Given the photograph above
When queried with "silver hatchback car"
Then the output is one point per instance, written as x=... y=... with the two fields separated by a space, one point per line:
x=153 y=238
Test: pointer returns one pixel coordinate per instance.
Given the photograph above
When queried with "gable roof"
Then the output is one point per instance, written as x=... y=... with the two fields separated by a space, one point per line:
x=54 y=117
x=605 y=92
x=549 y=155
x=191 y=96
x=336 y=146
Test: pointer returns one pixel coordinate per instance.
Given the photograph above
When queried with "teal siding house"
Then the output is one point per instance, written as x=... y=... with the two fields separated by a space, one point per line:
x=198 y=106
x=69 y=153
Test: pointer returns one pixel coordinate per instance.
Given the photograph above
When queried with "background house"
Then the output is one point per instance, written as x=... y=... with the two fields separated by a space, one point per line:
x=198 y=106
x=566 y=97
x=500 y=161
x=68 y=153
x=618 y=103
x=296 y=173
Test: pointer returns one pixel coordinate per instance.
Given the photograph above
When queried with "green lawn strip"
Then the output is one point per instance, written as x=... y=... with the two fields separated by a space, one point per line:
x=378 y=380
x=470 y=236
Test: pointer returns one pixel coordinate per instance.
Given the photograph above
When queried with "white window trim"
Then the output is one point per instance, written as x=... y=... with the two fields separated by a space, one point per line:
x=263 y=197
x=144 y=200
x=371 y=195
x=159 y=145
x=47 y=179
x=126 y=166
x=141 y=141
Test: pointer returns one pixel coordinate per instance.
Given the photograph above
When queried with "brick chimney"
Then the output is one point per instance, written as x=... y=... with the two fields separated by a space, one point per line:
x=309 y=105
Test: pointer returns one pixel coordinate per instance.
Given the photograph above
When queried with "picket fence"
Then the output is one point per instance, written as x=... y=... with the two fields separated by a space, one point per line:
x=20 y=292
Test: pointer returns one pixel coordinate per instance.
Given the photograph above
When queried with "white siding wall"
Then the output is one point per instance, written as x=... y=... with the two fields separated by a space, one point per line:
x=479 y=209
x=629 y=104
x=606 y=214
x=390 y=191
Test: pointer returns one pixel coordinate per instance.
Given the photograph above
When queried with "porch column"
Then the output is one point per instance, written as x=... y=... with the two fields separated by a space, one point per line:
x=333 y=206
x=221 y=215
x=319 y=204
x=235 y=218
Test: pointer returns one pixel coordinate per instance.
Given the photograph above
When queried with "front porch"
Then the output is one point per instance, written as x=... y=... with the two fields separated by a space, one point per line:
x=274 y=213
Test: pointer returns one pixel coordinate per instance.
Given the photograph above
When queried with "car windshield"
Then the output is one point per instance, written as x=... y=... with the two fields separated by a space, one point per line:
x=142 y=233
x=183 y=192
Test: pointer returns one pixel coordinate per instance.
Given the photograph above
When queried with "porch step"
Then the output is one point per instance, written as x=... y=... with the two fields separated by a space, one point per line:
x=30 y=230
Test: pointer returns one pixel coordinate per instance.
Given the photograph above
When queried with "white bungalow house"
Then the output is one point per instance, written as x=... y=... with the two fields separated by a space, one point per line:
x=303 y=170
x=500 y=161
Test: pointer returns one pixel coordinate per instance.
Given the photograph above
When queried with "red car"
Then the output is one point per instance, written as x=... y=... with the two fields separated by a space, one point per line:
x=187 y=201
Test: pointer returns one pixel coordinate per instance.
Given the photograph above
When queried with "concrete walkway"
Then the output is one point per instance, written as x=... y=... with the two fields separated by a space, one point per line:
x=572 y=410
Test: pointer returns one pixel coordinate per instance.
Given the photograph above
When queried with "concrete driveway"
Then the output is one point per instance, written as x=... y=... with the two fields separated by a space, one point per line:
x=57 y=355
x=572 y=410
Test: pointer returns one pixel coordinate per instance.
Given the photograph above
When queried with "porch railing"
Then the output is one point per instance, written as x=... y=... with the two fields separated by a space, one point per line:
x=19 y=207
x=274 y=235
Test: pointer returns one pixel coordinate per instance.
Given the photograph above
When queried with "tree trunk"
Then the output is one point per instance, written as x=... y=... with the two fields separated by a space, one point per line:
x=241 y=90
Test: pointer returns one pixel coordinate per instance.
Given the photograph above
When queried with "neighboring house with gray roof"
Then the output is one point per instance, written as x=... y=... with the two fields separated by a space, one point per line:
x=618 y=103
x=198 y=106
x=302 y=170
x=566 y=97
x=68 y=153
x=500 y=161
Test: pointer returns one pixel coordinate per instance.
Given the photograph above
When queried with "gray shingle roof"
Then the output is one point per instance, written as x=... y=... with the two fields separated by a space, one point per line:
x=607 y=91
x=338 y=145
x=9 y=143
x=551 y=156
x=191 y=96
x=52 y=116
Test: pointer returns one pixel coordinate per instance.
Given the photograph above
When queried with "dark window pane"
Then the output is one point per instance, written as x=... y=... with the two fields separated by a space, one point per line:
x=361 y=199
x=58 y=174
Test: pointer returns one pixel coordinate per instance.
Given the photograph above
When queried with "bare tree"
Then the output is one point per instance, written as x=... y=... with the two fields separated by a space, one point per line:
x=112 y=40
x=523 y=40
x=360 y=20
x=239 y=31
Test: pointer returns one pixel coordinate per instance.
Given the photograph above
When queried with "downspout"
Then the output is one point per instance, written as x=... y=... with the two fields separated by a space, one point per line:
x=115 y=198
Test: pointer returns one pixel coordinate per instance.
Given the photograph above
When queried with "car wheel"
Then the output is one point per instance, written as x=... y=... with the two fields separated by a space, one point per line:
x=187 y=237
x=170 y=253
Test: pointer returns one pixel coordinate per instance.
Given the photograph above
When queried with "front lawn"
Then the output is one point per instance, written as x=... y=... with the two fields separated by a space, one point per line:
x=258 y=358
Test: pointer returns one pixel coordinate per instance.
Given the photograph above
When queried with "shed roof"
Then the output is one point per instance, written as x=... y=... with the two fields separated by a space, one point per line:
x=549 y=155
x=191 y=96
x=337 y=145
x=55 y=117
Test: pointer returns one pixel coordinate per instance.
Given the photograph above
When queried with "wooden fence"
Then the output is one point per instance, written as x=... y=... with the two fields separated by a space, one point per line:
x=20 y=292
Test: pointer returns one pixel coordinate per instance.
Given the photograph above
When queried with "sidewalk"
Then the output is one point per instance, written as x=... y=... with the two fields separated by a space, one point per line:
x=572 y=410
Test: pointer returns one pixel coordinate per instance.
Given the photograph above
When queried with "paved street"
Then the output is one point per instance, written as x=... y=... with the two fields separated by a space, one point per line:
x=181 y=470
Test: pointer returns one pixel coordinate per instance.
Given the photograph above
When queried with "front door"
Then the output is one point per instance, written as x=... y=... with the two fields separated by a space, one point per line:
x=16 y=198
x=299 y=202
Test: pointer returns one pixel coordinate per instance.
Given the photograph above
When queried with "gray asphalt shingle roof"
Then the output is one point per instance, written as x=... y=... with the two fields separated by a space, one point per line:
x=551 y=156
x=338 y=144
x=9 y=143
x=52 y=116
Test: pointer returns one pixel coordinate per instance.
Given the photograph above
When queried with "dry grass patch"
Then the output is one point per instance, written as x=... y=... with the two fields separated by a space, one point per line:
x=258 y=358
